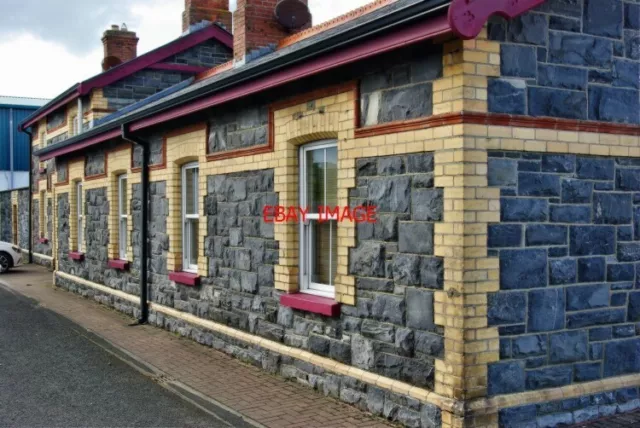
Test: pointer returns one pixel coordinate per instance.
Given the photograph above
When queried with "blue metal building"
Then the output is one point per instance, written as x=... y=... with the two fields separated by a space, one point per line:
x=14 y=145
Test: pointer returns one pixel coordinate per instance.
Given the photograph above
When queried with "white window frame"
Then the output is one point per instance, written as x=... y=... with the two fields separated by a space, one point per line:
x=189 y=218
x=79 y=216
x=306 y=240
x=123 y=218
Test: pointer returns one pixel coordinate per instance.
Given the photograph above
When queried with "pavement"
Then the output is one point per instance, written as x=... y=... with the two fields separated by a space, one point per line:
x=67 y=342
x=69 y=361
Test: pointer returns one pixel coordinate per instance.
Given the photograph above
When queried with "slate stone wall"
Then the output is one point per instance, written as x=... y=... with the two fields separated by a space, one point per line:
x=237 y=129
x=56 y=119
x=161 y=289
x=393 y=330
x=569 y=248
x=206 y=54
x=64 y=264
x=95 y=162
x=575 y=59
x=156 y=147
x=58 y=138
x=572 y=410
x=96 y=234
x=62 y=171
x=6 y=230
x=23 y=218
x=49 y=231
x=140 y=85
x=399 y=91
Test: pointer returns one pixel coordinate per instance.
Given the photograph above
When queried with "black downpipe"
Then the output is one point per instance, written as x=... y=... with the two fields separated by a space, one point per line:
x=144 y=304
x=30 y=195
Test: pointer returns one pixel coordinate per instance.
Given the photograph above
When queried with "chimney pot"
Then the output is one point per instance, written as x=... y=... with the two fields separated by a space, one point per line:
x=120 y=45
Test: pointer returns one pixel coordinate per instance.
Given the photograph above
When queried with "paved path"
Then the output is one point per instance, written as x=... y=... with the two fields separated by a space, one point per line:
x=258 y=396
x=52 y=376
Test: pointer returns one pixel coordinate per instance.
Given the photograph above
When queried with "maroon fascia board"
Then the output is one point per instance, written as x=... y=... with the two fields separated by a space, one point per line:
x=143 y=61
x=408 y=35
x=118 y=264
x=311 y=303
x=184 y=68
x=185 y=278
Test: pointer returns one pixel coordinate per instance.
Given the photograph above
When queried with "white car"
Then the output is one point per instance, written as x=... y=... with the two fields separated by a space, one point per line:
x=10 y=256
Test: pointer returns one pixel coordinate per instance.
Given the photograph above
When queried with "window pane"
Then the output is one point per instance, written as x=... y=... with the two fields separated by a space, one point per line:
x=193 y=245
x=191 y=190
x=123 y=196
x=332 y=177
x=123 y=238
x=80 y=234
x=325 y=252
x=315 y=179
x=79 y=198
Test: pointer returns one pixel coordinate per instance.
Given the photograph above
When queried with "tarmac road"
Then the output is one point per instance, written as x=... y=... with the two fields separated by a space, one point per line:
x=51 y=375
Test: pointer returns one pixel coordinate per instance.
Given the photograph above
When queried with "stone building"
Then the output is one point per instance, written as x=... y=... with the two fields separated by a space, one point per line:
x=498 y=284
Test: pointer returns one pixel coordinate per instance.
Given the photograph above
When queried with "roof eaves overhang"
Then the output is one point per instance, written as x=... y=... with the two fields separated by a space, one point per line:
x=123 y=70
x=409 y=25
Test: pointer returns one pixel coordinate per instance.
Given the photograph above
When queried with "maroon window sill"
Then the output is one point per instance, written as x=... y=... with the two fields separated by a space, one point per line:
x=76 y=255
x=43 y=240
x=118 y=264
x=185 y=278
x=311 y=303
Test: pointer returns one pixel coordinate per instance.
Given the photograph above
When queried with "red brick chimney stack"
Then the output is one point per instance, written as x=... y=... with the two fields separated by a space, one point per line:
x=120 y=45
x=196 y=11
x=255 y=26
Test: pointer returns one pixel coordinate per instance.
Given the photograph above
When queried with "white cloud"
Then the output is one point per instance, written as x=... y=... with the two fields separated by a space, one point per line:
x=41 y=68
x=45 y=66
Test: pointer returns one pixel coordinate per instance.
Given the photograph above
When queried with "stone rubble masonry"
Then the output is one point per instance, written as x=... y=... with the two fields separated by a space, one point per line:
x=568 y=249
x=575 y=410
x=140 y=85
x=6 y=217
x=207 y=54
x=156 y=152
x=570 y=59
x=56 y=119
x=23 y=218
x=238 y=129
x=401 y=91
x=94 y=164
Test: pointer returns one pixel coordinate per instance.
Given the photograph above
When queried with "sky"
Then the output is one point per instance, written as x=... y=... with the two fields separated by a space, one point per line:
x=46 y=46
